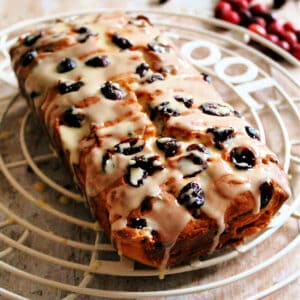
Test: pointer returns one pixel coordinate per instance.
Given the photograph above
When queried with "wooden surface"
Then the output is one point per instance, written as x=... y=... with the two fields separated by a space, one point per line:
x=12 y=11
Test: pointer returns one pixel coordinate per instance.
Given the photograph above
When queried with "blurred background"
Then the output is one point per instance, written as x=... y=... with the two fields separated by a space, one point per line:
x=12 y=11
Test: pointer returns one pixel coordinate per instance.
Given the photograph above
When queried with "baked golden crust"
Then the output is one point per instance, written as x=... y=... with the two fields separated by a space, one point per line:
x=170 y=171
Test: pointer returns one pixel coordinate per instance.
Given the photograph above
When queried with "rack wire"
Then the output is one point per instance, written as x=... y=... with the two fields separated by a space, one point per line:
x=223 y=52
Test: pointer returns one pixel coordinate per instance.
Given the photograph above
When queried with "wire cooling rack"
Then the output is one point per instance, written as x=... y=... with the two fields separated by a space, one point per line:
x=43 y=223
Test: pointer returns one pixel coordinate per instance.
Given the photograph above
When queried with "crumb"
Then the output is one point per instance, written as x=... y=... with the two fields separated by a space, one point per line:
x=39 y=186
x=96 y=265
x=5 y=135
x=41 y=202
x=97 y=226
x=161 y=275
x=63 y=200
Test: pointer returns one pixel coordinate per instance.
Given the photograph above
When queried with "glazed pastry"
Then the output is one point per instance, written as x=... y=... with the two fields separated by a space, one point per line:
x=170 y=170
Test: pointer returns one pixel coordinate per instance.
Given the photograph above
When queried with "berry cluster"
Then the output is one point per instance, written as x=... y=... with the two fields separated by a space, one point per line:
x=258 y=19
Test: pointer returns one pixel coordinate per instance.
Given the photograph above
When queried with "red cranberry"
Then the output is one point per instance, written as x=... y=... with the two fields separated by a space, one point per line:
x=222 y=8
x=239 y=4
x=296 y=51
x=285 y=45
x=260 y=21
x=277 y=28
x=291 y=38
x=258 y=8
x=273 y=38
x=298 y=35
x=278 y=3
x=257 y=29
x=246 y=17
x=289 y=26
x=232 y=17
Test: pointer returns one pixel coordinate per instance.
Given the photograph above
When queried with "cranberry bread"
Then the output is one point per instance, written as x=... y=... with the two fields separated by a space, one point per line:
x=170 y=171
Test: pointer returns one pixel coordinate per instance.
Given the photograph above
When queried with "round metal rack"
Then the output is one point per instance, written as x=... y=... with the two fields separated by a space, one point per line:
x=43 y=220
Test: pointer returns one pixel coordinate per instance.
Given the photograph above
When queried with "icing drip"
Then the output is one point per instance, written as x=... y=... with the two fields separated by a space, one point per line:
x=169 y=219
x=167 y=83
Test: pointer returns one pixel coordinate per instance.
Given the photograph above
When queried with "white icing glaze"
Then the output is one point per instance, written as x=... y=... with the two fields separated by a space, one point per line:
x=109 y=122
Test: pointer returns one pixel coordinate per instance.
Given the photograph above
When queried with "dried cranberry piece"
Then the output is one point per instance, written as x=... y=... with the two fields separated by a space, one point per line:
x=82 y=38
x=168 y=145
x=192 y=164
x=191 y=196
x=187 y=101
x=154 y=77
x=135 y=175
x=162 y=1
x=246 y=17
x=278 y=3
x=216 y=109
x=158 y=47
x=165 y=109
x=150 y=164
x=66 y=65
x=28 y=57
x=108 y=164
x=206 y=78
x=242 y=157
x=121 y=42
x=266 y=193
x=68 y=87
x=112 y=91
x=137 y=223
x=31 y=39
x=140 y=168
x=237 y=114
x=197 y=147
x=34 y=94
x=252 y=132
x=72 y=119
x=146 y=204
x=130 y=146
x=99 y=61
x=139 y=21
x=220 y=135
x=142 y=69
x=83 y=30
